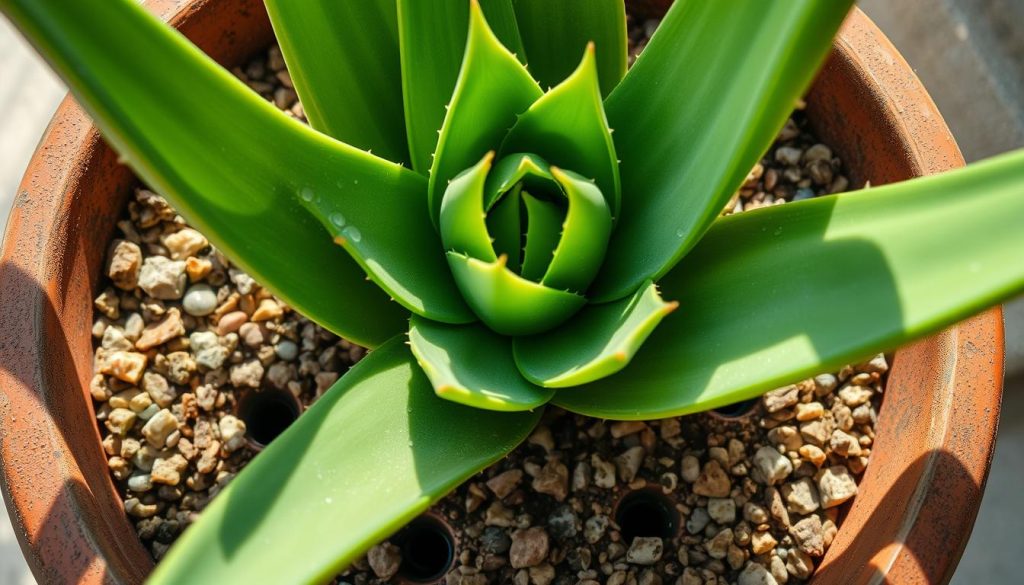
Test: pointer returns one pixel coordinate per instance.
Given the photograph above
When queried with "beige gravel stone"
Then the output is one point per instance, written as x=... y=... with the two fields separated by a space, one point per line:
x=801 y=496
x=163 y=278
x=713 y=481
x=781 y=398
x=774 y=466
x=553 y=480
x=385 y=559
x=268 y=309
x=853 y=395
x=808 y=536
x=184 y=243
x=504 y=483
x=168 y=471
x=762 y=542
x=232 y=433
x=835 y=486
x=645 y=550
x=159 y=427
x=120 y=421
x=529 y=547
x=809 y=411
x=124 y=365
x=168 y=328
x=124 y=264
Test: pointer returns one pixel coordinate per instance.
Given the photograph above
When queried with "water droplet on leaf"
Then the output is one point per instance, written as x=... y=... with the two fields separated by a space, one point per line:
x=337 y=219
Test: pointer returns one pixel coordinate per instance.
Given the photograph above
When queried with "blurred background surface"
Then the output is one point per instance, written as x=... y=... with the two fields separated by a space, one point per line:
x=970 y=56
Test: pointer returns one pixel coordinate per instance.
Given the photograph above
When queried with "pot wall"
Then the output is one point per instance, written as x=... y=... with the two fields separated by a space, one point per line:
x=917 y=501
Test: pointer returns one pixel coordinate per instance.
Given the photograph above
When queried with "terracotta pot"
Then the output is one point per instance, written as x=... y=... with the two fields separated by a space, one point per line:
x=917 y=502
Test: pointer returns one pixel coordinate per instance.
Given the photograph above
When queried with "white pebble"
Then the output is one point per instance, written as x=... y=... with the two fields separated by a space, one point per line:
x=200 y=300
x=287 y=350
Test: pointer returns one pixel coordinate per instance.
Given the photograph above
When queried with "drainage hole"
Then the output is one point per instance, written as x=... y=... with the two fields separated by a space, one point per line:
x=646 y=513
x=737 y=409
x=428 y=550
x=267 y=413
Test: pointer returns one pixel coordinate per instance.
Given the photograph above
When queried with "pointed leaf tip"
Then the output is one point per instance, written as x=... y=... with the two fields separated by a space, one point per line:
x=597 y=342
x=568 y=125
x=492 y=88
x=554 y=33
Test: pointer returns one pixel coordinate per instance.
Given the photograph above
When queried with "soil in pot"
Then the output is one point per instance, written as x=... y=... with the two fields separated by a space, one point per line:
x=198 y=367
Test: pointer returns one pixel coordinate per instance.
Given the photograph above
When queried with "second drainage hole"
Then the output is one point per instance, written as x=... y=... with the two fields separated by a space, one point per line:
x=646 y=513
x=267 y=413
x=428 y=550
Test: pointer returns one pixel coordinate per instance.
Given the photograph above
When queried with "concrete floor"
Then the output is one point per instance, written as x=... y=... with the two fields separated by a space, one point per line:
x=935 y=36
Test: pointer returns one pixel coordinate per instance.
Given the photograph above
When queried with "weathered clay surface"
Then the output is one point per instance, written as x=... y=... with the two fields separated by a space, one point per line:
x=917 y=502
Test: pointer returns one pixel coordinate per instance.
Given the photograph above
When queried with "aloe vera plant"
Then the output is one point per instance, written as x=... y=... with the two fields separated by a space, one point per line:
x=462 y=205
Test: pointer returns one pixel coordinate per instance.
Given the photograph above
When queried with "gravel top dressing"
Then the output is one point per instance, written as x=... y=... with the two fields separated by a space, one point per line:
x=197 y=366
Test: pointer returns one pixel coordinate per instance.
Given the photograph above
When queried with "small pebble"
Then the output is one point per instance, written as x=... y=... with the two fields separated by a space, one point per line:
x=645 y=550
x=384 y=559
x=835 y=486
x=722 y=510
x=184 y=243
x=713 y=481
x=495 y=540
x=529 y=547
x=162 y=278
x=231 y=322
x=124 y=264
x=232 y=433
x=159 y=427
x=199 y=300
x=773 y=465
x=287 y=350
x=755 y=574
x=503 y=483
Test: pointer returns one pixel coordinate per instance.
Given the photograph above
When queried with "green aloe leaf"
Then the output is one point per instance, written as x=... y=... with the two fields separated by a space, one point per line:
x=463 y=220
x=344 y=60
x=598 y=342
x=567 y=127
x=392 y=239
x=555 y=31
x=695 y=112
x=492 y=89
x=503 y=223
x=360 y=463
x=433 y=43
x=543 y=230
x=472 y=365
x=584 y=234
x=512 y=169
x=116 y=58
x=507 y=302
x=778 y=294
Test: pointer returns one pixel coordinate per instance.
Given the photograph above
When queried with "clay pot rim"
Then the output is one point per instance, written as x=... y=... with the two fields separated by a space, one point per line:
x=71 y=138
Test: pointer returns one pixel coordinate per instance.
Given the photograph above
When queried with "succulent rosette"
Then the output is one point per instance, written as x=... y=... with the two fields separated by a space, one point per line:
x=523 y=194
x=525 y=229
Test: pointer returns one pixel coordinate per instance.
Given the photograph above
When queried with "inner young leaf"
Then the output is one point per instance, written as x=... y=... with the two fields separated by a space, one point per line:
x=544 y=219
